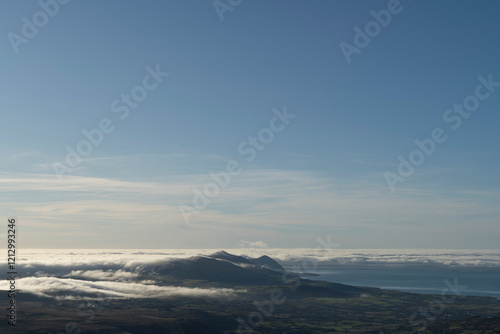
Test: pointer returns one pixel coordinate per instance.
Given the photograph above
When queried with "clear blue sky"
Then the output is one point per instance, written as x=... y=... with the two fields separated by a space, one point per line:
x=323 y=174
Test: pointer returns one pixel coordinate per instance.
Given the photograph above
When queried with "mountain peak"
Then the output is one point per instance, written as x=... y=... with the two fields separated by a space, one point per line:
x=264 y=261
x=220 y=253
x=267 y=262
x=223 y=255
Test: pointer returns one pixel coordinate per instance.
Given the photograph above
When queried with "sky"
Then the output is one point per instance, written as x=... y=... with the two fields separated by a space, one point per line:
x=236 y=124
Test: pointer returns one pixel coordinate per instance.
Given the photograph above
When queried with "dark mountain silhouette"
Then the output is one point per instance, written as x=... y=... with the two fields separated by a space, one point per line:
x=222 y=255
x=263 y=261
x=227 y=270
x=269 y=263
x=219 y=267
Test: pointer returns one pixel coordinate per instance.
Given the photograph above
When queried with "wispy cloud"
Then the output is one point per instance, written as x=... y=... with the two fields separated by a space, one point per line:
x=24 y=155
x=253 y=244
x=270 y=200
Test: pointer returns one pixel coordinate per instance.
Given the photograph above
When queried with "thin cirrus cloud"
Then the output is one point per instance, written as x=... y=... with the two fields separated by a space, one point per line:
x=253 y=244
x=257 y=198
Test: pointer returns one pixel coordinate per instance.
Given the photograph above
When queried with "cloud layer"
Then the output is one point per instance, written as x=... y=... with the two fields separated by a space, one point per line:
x=103 y=274
x=71 y=289
x=277 y=207
x=123 y=274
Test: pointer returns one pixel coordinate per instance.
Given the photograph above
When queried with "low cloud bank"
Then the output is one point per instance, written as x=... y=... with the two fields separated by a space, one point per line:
x=130 y=274
x=74 y=289
x=127 y=265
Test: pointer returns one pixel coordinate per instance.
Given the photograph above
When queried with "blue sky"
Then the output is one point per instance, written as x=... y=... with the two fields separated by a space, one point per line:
x=323 y=174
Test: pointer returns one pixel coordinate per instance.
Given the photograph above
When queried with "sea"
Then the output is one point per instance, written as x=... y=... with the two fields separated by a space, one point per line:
x=473 y=282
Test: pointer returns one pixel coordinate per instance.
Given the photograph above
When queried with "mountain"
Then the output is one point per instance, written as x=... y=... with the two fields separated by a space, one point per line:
x=222 y=255
x=222 y=269
x=267 y=262
x=263 y=261
x=266 y=299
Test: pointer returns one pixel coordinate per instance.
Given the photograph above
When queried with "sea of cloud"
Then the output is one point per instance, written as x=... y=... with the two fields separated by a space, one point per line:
x=119 y=274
